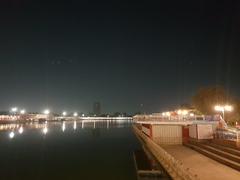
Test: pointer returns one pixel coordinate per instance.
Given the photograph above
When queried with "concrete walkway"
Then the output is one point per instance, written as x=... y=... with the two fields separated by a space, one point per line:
x=204 y=167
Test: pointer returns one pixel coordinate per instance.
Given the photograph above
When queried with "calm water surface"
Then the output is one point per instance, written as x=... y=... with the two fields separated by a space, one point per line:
x=100 y=150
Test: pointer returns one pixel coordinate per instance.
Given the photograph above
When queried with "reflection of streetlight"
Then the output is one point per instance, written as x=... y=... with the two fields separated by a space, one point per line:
x=223 y=109
x=75 y=125
x=63 y=126
x=20 y=130
x=11 y=135
x=45 y=130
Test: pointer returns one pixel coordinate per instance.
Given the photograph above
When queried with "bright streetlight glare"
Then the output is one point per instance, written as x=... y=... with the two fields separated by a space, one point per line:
x=64 y=113
x=179 y=112
x=75 y=114
x=46 y=112
x=184 y=112
x=22 y=111
x=14 y=109
x=45 y=130
x=228 y=108
x=223 y=108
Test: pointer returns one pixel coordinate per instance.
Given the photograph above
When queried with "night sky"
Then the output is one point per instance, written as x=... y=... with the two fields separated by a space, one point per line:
x=69 y=54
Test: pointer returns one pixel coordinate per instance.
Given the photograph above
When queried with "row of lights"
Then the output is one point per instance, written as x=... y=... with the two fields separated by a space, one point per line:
x=15 y=110
x=220 y=108
x=44 y=130
x=46 y=112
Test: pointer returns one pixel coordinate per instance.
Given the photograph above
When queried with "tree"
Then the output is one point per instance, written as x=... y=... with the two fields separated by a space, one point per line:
x=206 y=98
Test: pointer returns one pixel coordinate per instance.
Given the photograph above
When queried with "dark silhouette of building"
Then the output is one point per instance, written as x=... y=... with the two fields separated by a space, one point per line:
x=97 y=108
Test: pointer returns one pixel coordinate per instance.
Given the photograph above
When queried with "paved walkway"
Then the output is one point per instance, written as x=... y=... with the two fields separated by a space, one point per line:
x=204 y=167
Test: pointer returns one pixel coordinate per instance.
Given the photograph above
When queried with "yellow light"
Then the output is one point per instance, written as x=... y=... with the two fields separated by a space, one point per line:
x=75 y=125
x=184 y=112
x=228 y=108
x=168 y=114
x=179 y=112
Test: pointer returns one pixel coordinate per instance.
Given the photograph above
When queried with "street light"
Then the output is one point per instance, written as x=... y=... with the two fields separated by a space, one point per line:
x=46 y=112
x=64 y=113
x=75 y=114
x=223 y=109
x=14 y=109
x=22 y=111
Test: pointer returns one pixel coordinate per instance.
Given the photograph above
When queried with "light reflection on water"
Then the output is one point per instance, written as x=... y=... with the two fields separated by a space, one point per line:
x=90 y=124
x=66 y=150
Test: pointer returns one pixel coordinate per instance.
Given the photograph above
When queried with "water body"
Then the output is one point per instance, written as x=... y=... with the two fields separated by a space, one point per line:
x=71 y=150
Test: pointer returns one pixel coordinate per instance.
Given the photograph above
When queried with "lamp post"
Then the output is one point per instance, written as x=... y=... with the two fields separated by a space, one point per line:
x=223 y=109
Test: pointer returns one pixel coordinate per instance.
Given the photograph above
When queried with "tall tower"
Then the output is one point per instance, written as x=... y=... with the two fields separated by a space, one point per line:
x=97 y=108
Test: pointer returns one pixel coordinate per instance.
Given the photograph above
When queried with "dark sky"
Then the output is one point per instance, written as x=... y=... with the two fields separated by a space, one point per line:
x=68 y=54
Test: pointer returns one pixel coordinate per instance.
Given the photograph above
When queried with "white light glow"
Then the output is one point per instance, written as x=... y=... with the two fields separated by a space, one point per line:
x=223 y=108
x=14 y=109
x=45 y=130
x=184 y=112
x=179 y=112
x=20 y=130
x=168 y=114
x=63 y=126
x=64 y=113
x=11 y=135
x=191 y=114
x=219 y=108
x=46 y=112
x=75 y=114
x=75 y=125
x=228 y=108
x=22 y=111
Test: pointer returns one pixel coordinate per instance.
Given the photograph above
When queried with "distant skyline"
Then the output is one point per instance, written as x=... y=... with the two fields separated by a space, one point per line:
x=70 y=54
